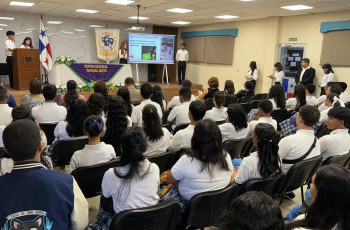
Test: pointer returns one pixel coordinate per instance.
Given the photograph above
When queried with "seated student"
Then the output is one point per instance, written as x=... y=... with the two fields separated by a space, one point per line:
x=262 y=116
x=292 y=148
x=101 y=88
x=71 y=95
x=146 y=93
x=247 y=91
x=96 y=104
x=338 y=141
x=253 y=211
x=125 y=94
x=219 y=112
x=213 y=83
x=158 y=138
x=330 y=194
x=309 y=90
x=182 y=139
x=331 y=87
x=334 y=89
x=236 y=126
x=133 y=184
x=157 y=96
x=175 y=101
x=229 y=89
x=179 y=114
x=344 y=96
x=264 y=163
x=36 y=97
x=5 y=110
x=134 y=93
x=277 y=97
x=298 y=100
x=96 y=151
x=49 y=112
x=55 y=197
x=331 y=102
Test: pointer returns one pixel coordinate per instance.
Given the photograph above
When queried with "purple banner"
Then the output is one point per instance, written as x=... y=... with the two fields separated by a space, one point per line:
x=95 y=72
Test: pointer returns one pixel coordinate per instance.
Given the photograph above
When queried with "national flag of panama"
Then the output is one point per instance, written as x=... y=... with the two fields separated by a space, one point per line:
x=44 y=48
x=288 y=85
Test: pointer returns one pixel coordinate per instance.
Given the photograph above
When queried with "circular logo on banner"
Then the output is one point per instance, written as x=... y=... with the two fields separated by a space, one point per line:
x=108 y=44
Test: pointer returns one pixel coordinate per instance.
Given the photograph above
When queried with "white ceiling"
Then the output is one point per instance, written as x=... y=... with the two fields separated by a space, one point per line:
x=204 y=11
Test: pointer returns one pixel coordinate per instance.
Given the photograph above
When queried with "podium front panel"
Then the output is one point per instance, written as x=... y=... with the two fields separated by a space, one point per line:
x=26 y=67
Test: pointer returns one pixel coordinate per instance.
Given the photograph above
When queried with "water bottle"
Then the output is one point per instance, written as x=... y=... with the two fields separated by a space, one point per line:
x=78 y=60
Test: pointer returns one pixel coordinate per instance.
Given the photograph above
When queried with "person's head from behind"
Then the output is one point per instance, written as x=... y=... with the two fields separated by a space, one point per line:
x=146 y=90
x=300 y=95
x=96 y=103
x=159 y=89
x=196 y=111
x=49 y=92
x=183 y=45
x=219 y=99
x=93 y=127
x=327 y=68
x=18 y=144
x=237 y=116
x=265 y=108
x=278 y=66
x=310 y=89
x=124 y=93
x=71 y=85
x=249 y=86
x=332 y=100
x=213 y=82
x=76 y=115
x=151 y=123
x=157 y=96
x=27 y=42
x=11 y=35
x=278 y=95
x=252 y=65
x=333 y=88
x=35 y=86
x=305 y=62
x=343 y=86
x=253 y=211
x=186 y=83
x=129 y=81
x=71 y=94
x=338 y=118
x=185 y=94
x=229 y=87
x=100 y=87
x=3 y=95
x=308 y=116
x=21 y=112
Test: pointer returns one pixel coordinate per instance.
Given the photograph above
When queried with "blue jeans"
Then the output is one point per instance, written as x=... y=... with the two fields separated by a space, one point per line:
x=294 y=212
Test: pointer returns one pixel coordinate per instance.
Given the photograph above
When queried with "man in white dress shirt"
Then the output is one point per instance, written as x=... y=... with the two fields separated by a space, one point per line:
x=10 y=46
x=175 y=101
x=182 y=139
x=5 y=110
x=182 y=58
x=179 y=114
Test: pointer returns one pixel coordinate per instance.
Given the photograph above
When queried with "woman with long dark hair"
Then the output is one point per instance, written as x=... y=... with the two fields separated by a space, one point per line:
x=298 y=100
x=27 y=43
x=264 y=163
x=247 y=91
x=96 y=104
x=277 y=97
x=229 y=89
x=252 y=74
x=157 y=97
x=279 y=74
x=71 y=95
x=328 y=77
x=101 y=87
x=125 y=94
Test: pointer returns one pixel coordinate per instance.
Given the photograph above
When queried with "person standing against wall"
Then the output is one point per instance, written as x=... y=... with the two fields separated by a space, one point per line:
x=182 y=58
x=10 y=46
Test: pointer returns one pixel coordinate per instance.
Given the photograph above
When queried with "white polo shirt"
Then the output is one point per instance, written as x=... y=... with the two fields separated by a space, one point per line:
x=267 y=120
x=254 y=75
x=61 y=133
x=274 y=104
x=323 y=116
x=158 y=147
x=321 y=100
x=291 y=103
x=249 y=169
x=175 y=101
x=228 y=132
x=279 y=77
x=327 y=78
x=344 y=96
x=310 y=100
x=49 y=112
x=182 y=139
x=5 y=114
x=336 y=143
x=9 y=45
x=216 y=114
x=136 y=115
x=180 y=114
x=295 y=146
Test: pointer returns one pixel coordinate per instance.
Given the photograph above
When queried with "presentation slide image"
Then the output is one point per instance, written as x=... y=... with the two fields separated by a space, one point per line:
x=167 y=49
x=149 y=52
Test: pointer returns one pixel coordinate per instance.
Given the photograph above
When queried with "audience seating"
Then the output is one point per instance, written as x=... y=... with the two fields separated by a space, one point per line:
x=2 y=152
x=220 y=122
x=209 y=104
x=260 y=96
x=48 y=129
x=136 y=103
x=164 y=161
x=253 y=105
x=90 y=178
x=347 y=105
x=63 y=151
x=322 y=130
x=181 y=126
x=230 y=100
x=163 y=216
x=246 y=99
x=207 y=208
x=299 y=175
x=165 y=117
x=279 y=115
x=168 y=127
x=238 y=148
x=245 y=107
x=290 y=113
x=342 y=160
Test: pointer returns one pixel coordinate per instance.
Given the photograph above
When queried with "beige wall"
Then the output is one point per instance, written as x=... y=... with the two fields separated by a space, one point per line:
x=259 y=40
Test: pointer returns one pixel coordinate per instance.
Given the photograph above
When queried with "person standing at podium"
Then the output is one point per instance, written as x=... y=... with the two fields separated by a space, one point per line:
x=10 y=46
x=27 y=43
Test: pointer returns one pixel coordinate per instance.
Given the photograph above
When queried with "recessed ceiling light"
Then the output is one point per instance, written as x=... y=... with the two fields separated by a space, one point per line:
x=86 y=11
x=14 y=3
x=96 y=26
x=180 y=10
x=140 y=18
x=1 y=29
x=226 y=16
x=6 y=18
x=297 y=7
x=66 y=32
x=79 y=30
x=120 y=2
x=53 y=22
x=181 y=22
x=3 y=25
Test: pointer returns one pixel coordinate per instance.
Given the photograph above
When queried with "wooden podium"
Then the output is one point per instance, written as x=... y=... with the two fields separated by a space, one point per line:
x=26 y=67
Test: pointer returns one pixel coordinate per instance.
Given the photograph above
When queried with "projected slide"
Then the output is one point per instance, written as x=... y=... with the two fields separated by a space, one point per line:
x=151 y=48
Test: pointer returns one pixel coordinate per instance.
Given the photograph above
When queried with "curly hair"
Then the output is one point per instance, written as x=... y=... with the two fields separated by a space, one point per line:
x=237 y=116
x=125 y=94
x=76 y=115
x=278 y=95
x=100 y=87
x=96 y=104
x=71 y=94
x=157 y=97
x=309 y=114
x=151 y=123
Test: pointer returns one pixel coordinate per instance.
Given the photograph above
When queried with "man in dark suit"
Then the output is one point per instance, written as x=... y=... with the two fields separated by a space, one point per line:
x=306 y=74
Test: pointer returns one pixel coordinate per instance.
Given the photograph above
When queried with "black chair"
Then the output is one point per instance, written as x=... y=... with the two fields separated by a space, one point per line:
x=342 y=160
x=164 y=161
x=246 y=99
x=163 y=216
x=253 y=105
x=90 y=178
x=299 y=175
x=2 y=152
x=209 y=104
x=260 y=96
x=220 y=122
x=245 y=107
x=279 y=115
x=290 y=113
x=270 y=186
x=48 y=129
x=322 y=130
x=136 y=103
x=230 y=100
x=207 y=208
x=63 y=151
x=181 y=126
x=168 y=127
x=238 y=148
x=347 y=105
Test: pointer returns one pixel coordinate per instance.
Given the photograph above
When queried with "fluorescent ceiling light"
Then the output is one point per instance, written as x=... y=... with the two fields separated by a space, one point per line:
x=181 y=22
x=79 y=30
x=96 y=26
x=140 y=18
x=6 y=18
x=226 y=16
x=83 y=36
x=179 y=10
x=1 y=29
x=120 y=2
x=247 y=0
x=31 y=29
x=67 y=32
x=3 y=25
x=297 y=7
x=14 y=3
x=86 y=11
x=54 y=22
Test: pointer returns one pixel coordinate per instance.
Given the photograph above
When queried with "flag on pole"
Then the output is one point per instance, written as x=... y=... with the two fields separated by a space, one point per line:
x=44 y=48
x=288 y=85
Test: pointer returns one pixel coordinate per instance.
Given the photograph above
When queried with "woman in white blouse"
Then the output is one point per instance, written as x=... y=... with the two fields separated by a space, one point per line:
x=123 y=54
x=298 y=100
x=279 y=74
x=27 y=43
x=218 y=112
x=252 y=74
x=329 y=76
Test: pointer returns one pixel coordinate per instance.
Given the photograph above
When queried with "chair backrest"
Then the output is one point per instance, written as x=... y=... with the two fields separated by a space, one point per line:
x=181 y=126
x=342 y=160
x=164 y=161
x=322 y=130
x=168 y=127
x=245 y=107
x=260 y=96
x=253 y=104
x=2 y=152
x=90 y=178
x=246 y=99
x=279 y=115
x=238 y=148
x=209 y=104
x=347 y=105
x=63 y=151
x=163 y=216
x=230 y=100
x=48 y=129
x=220 y=122
x=206 y=209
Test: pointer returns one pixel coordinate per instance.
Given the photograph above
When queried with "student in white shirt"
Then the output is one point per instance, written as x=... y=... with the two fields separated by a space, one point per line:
x=328 y=77
x=331 y=102
x=146 y=93
x=264 y=163
x=330 y=194
x=309 y=90
x=182 y=139
x=207 y=168
x=236 y=126
x=179 y=114
x=218 y=112
x=277 y=97
x=182 y=58
x=331 y=87
x=279 y=74
x=10 y=46
x=298 y=100
x=295 y=146
x=344 y=96
x=5 y=110
x=49 y=112
x=175 y=101
x=158 y=138
x=252 y=74
x=27 y=43
x=262 y=116
x=95 y=152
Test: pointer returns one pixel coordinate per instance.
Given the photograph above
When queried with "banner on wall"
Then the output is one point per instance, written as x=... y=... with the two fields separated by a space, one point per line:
x=107 y=44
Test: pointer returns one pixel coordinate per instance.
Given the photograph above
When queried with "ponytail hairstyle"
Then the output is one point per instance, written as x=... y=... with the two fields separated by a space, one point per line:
x=157 y=97
x=252 y=66
x=93 y=125
x=334 y=99
x=269 y=161
x=151 y=123
x=300 y=96
x=219 y=98
x=71 y=94
x=125 y=94
x=76 y=115
x=96 y=104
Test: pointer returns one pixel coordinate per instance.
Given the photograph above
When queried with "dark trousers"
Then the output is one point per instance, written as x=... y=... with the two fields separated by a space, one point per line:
x=323 y=92
x=181 y=66
x=9 y=65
